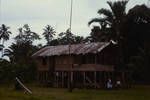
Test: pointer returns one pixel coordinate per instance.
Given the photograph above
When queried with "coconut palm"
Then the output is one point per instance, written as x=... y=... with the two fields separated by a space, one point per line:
x=49 y=33
x=137 y=29
x=26 y=35
x=111 y=24
x=112 y=18
x=4 y=35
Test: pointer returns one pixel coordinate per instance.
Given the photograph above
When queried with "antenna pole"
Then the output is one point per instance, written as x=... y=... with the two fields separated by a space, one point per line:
x=0 y=11
x=71 y=16
x=148 y=3
x=71 y=65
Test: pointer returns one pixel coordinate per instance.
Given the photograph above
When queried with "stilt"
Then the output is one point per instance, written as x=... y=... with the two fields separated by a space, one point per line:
x=105 y=79
x=62 y=79
x=68 y=76
x=38 y=76
x=55 y=79
x=84 y=81
x=95 y=80
x=46 y=77
x=123 y=78
x=57 y=75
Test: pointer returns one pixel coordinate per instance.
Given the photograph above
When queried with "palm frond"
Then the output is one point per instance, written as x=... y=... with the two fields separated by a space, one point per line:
x=1 y=47
x=118 y=8
x=105 y=12
x=97 y=20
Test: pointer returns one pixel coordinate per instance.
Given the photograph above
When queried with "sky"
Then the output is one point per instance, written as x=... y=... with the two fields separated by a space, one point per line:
x=39 y=13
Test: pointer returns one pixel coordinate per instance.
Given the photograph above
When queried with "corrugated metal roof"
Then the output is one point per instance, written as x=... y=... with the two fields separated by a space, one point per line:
x=74 y=49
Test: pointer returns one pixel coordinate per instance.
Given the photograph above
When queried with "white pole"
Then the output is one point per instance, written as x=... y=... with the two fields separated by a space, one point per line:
x=0 y=24
x=71 y=70
x=71 y=16
x=0 y=10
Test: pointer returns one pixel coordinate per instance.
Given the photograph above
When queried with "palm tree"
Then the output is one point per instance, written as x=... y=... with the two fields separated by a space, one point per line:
x=137 y=29
x=112 y=18
x=4 y=35
x=26 y=35
x=49 y=33
x=112 y=23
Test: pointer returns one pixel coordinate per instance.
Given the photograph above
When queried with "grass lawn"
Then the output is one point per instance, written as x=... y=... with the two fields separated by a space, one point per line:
x=135 y=93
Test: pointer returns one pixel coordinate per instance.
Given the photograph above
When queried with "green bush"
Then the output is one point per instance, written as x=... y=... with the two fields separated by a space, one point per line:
x=8 y=71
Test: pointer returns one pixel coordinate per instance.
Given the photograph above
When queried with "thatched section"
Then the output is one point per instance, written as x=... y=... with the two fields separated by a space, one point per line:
x=75 y=49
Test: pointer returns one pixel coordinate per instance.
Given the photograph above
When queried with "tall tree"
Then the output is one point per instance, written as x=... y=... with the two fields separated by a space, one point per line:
x=112 y=19
x=137 y=28
x=111 y=28
x=49 y=33
x=26 y=35
x=100 y=34
x=68 y=37
x=4 y=35
x=21 y=51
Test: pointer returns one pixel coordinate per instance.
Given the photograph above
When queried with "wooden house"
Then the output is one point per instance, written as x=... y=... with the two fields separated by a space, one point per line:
x=87 y=65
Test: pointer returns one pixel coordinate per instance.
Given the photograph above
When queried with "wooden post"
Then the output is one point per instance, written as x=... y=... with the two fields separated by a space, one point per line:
x=84 y=81
x=62 y=79
x=45 y=77
x=105 y=79
x=54 y=79
x=95 y=79
x=57 y=74
x=38 y=76
x=123 y=78
x=57 y=77
x=68 y=76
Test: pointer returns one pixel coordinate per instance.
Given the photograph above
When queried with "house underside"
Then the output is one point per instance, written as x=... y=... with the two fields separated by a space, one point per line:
x=81 y=79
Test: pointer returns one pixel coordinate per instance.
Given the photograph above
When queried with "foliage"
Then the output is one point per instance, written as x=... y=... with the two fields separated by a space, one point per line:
x=111 y=20
x=4 y=32
x=1 y=47
x=20 y=53
x=4 y=36
x=49 y=33
x=8 y=71
x=131 y=31
x=26 y=35
x=68 y=37
x=140 y=66
x=21 y=64
x=99 y=34
x=5 y=71
x=137 y=25
x=138 y=49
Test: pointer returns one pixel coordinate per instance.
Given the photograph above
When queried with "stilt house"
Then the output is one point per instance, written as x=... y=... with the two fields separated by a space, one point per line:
x=89 y=64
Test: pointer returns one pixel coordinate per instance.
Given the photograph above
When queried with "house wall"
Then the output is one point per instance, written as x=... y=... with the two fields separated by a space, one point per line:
x=102 y=61
x=64 y=61
x=42 y=63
